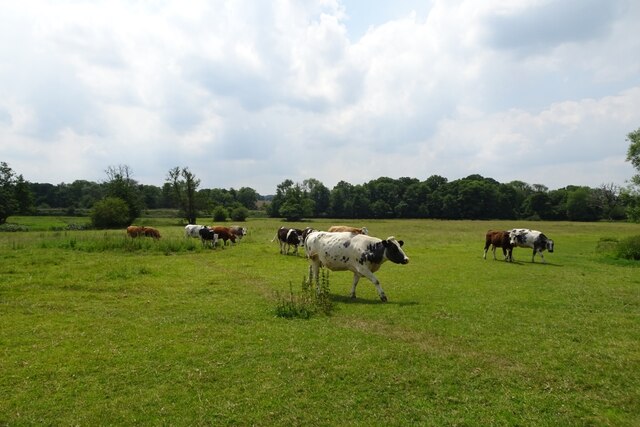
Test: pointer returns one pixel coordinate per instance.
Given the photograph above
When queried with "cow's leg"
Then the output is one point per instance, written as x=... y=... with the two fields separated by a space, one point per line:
x=494 y=252
x=486 y=249
x=369 y=275
x=356 y=278
x=314 y=273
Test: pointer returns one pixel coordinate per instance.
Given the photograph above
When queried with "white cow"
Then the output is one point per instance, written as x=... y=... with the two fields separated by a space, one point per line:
x=359 y=253
x=525 y=238
x=193 y=230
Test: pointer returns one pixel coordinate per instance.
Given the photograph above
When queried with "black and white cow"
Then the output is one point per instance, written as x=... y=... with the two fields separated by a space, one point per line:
x=525 y=238
x=288 y=237
x=208 y=235
x=361 y=254
x=193 y=230
x=306 y=232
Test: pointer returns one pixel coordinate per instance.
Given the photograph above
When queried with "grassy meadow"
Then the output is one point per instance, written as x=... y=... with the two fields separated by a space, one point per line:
x=99 y=329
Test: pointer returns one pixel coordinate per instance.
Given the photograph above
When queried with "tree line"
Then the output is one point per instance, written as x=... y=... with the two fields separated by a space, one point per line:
x=472 y=197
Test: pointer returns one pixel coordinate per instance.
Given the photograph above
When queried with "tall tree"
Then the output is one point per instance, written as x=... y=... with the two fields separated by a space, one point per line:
x=23 y=196
x=319 y=194
x=248 y=197
x=120 y=184
x=8 y=202
x=631 y=195
x=633 y=153
x=185 y=184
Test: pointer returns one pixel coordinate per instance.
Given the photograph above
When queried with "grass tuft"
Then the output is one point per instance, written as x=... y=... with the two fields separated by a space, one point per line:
x=306 y=303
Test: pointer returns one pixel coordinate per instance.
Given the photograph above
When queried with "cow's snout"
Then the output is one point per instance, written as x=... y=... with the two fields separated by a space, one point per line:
x=405 y=261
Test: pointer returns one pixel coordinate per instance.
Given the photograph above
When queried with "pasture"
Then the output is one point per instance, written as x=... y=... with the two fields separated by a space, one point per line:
x=98 y=329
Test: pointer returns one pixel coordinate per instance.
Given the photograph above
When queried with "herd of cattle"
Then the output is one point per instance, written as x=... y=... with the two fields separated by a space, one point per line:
x=344 y=248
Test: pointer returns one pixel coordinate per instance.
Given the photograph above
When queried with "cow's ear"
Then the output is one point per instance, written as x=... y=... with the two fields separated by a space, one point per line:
x=385 y=243
x=401 y=242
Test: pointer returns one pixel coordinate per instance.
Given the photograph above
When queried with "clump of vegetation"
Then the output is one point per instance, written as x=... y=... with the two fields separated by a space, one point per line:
x=220 y=214
x=239 y=213
x=110 y=212
x=607 y=245
x=629 y=248
x=13 y=227
x=308 y=302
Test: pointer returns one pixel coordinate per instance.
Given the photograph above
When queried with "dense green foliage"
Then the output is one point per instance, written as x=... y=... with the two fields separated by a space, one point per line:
x=472 y=197
x=101 y=329
x=15 y=197
x=629 y=248
x=110 y=212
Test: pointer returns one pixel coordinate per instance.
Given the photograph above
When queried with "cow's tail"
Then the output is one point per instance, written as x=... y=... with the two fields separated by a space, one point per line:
x=274 y=238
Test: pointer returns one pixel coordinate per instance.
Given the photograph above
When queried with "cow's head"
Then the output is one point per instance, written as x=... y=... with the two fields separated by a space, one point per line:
x=394 y=252
x=516 y=235
x=550 y=245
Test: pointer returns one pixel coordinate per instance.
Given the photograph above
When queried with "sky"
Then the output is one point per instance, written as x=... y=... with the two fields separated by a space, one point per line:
x=252 y=93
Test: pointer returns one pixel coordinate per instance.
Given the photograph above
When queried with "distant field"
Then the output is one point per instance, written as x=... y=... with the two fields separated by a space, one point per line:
x=100 y=330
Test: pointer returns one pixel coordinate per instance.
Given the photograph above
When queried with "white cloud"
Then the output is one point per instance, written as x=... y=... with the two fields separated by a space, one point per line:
x=251 y=93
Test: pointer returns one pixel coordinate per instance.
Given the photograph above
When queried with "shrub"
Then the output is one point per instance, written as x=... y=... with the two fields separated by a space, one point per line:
x=239 y=214
x=13 y=227
x=220 y=214
x=629 y=248
x=110 y=212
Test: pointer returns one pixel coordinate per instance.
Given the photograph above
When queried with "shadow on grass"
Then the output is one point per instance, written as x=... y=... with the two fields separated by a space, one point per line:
x=345 y=299
x=550 y=264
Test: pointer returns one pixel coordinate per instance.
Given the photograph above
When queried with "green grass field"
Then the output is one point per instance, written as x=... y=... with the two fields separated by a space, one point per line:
x=100 y=330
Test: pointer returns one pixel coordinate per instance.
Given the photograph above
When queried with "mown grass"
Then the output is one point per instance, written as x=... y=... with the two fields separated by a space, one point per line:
x=106 y=330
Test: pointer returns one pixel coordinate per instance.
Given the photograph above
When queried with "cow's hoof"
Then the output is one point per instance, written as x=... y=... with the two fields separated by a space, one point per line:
x=353 y=296
x=383 y=298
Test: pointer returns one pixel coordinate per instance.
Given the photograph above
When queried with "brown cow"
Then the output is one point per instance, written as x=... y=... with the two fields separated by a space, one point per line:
x=499 y=239
x=225 y=234
x=136 y=231
x=343 y=228
x=151 y=232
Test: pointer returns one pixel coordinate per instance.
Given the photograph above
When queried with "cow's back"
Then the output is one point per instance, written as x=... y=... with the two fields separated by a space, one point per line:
x=339 y=251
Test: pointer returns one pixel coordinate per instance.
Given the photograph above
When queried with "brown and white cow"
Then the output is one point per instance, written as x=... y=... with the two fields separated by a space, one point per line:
x=288 y=237
x=224 y=234
x=238 y=231
x=498 y=239
x=363 y=255
x=346 y=228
